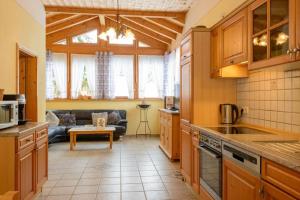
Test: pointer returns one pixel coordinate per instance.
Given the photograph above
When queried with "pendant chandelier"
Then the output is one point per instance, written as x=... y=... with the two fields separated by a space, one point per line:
x=119 y=31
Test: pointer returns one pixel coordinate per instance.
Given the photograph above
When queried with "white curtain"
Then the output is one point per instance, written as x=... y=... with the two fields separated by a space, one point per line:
x=79 y=64
x=122 y=68
x=151 y=73
x=169 y=73
x=56 y=78
x=104 y=76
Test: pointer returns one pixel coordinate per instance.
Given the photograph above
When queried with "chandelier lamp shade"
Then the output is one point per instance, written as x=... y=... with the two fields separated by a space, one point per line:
x=118 y=32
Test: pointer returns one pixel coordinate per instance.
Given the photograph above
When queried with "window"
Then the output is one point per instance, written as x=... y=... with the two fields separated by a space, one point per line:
x=121 y=41
x=151 y=72
x=61 y=42
x=56 y=74
x=89 y=37
x=143 y=45
x=122 y=69
x=83 y=76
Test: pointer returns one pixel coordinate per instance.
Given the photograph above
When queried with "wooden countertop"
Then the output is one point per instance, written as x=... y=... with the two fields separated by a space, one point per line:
x=170 y=111
x=19 y=130
x=263 y=144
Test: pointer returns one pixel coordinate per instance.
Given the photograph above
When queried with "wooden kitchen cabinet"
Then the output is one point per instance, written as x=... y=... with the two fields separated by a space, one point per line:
x=204 y=195
x=169 y=133
x=24 y=159
x=271 y=192
x=238 y=183
x=272 y=33
x=233 y=36
x=186 y=151
x=195 y=161
x=186 y=90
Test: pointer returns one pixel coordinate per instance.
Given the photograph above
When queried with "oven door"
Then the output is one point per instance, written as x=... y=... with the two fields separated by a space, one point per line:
x=211 y=171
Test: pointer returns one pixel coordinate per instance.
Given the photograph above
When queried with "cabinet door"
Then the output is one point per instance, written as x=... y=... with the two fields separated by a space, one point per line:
x=297 y=30
x=186 y=92
x=271 y=32
x=42 y=163
x=271 y=192
x=186 y=154
x=234 y=39
x=26 y=173
x=195 y=163
x=215 y=52
x=238 y=183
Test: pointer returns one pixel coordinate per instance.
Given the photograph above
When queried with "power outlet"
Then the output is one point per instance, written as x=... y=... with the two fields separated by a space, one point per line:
x=245 y=109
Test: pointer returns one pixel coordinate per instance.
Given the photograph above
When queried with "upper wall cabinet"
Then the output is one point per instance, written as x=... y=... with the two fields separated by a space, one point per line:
x=233 y=34
x=272 y=32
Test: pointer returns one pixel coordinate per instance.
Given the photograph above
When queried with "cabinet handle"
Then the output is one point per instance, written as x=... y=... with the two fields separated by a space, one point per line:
x=28 y=140
x=231 y=62
x=261 y=191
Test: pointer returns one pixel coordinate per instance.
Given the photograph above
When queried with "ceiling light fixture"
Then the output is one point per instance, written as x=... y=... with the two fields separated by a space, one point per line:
x=118 y=32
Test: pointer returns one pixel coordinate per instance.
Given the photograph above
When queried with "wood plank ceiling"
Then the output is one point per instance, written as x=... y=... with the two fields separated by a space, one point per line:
x=156 y=22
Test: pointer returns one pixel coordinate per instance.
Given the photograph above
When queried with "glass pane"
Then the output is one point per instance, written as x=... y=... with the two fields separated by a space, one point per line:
x=260 y=47
x=89 y=37
x=121 y=40
x=279 y=11
x=260 y=18
x=279 y=40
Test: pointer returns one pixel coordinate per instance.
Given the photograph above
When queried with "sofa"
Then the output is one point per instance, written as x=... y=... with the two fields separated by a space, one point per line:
x=84 y=117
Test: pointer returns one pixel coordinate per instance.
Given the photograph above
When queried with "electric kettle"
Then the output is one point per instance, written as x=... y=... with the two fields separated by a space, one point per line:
x=229 y=113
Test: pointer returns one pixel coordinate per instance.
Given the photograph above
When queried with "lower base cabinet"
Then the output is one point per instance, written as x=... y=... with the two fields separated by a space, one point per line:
x=186 y=151
x=204 y=195
x=238 y=183
x=195 y=161
x=271 y=192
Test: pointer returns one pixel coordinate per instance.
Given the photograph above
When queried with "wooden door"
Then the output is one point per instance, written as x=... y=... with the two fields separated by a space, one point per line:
x=271 y=192
x=31 y=89
x=238 y=183
x=215 y=52
x=42 y=162
x=185 y=90
x=195 y=162
x=234 y=39
x=26 y=173
x=186 y=151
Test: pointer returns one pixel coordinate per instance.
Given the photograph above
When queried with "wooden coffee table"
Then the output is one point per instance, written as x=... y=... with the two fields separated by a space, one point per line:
x=90 y=130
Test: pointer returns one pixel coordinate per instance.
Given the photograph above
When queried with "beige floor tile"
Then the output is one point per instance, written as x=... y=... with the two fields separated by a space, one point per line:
x=153 y=186
x=62 y=190
x=107 y=181
x=84 y=197
x=66 y=183
x=109 y=196
x=90 y=189
x=132 y=188
x=130 y=173
x=109 y=188
x=148 y=173
x=157 y=195
x=61 y=197
x=71 y=176
x=50 y=183
x=88 y=181
x=133 y=196
x=131 y=179
x=111 y=174
x=151 y=179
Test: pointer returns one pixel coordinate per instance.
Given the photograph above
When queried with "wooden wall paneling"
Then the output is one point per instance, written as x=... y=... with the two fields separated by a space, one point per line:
x=180 y=16
x=69 y=23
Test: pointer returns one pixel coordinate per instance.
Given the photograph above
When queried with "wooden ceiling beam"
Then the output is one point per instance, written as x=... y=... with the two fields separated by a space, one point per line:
x=57 y=18
x=166 y=24
x=151 y=26
x=96 y=11
x=68 y=23
x=143 y=30
x=142 y=37
x=73 y=31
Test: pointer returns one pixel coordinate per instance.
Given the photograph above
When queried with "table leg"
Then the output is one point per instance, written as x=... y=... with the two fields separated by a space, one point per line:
x=110 y=139
x=71 y=141
x=75 y=140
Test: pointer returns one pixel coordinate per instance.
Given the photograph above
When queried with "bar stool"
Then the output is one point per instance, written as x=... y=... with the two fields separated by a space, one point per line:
x=143 y=119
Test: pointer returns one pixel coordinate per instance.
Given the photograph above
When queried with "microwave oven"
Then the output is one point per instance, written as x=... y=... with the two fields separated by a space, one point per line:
x=8 y=114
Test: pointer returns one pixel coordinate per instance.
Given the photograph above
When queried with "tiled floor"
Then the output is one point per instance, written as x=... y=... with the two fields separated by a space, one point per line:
x=135 y=169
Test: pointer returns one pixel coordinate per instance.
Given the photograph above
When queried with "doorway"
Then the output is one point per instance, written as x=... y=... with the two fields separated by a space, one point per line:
x=27 y=81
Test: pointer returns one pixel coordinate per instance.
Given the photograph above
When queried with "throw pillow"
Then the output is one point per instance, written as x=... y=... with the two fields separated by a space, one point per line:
x=95 y=116
x=52 y=119
x=67 y=119
x=114 y=117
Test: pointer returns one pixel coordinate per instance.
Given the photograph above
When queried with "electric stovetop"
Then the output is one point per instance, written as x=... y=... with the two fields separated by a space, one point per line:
x=237 y=130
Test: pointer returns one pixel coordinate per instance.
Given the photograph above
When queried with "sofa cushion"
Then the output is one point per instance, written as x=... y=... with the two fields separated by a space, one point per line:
x=95 y=116
x=67 y=119
x=113 y=118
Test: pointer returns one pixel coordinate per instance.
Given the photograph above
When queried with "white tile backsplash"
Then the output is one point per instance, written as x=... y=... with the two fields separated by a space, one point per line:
x=273 y=98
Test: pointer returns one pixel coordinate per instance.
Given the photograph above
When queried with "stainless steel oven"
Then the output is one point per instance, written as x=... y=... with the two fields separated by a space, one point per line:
x=211 y=165
x=8 y=114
